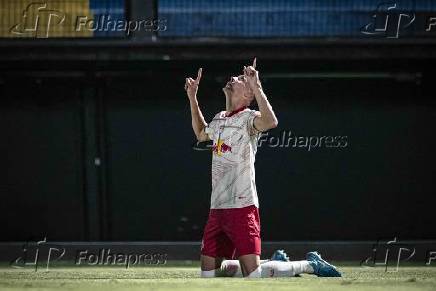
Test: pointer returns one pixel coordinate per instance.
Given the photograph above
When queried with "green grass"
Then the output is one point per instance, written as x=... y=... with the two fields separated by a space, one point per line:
x=185 y=277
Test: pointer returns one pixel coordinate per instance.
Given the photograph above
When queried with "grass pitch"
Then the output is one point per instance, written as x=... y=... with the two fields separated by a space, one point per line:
x=186 y=277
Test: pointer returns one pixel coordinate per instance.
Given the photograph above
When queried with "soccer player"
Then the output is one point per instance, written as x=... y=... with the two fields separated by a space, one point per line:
x=233 y=226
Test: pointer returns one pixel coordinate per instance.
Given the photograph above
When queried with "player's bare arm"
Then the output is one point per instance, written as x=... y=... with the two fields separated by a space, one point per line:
x=266 y=118
x=198 y=121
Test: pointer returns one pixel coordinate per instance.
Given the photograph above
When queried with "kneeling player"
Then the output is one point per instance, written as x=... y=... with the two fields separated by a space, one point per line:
x=233 y=226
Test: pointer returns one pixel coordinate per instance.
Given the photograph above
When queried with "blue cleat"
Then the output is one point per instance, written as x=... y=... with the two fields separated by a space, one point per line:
x=320 y=267
x=280 y=255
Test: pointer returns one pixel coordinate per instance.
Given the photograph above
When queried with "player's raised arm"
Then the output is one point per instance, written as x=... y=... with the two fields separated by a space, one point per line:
x=267 y=119
x=198 y=122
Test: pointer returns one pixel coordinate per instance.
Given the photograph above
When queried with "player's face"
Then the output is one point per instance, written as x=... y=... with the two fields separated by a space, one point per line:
x=237 y=87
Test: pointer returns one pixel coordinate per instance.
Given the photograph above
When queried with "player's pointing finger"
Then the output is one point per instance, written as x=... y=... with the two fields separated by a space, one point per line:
x=254 y=63
x=199 y=75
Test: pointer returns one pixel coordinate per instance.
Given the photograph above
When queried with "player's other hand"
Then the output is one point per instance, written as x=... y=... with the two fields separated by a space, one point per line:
x=191 y=85
x=252 y=76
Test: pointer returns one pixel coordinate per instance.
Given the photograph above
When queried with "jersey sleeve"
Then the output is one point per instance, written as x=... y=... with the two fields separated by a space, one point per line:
x=252 y=130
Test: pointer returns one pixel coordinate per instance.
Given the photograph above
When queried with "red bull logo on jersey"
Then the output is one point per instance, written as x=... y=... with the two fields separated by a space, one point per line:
x=220 y=147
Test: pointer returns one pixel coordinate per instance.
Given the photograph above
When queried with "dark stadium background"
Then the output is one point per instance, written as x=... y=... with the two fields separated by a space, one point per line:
x=96 y=133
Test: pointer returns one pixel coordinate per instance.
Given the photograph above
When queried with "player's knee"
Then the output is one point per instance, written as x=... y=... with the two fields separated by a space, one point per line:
x=249 y=263
x=208 y=274
x=256 y=273
x=231 y=268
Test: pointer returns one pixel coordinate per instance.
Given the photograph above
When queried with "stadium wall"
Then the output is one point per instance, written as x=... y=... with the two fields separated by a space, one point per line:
x=105 y=154
x=97 y=143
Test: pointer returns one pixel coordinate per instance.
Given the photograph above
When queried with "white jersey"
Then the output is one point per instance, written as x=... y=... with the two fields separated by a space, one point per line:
x=234 y=149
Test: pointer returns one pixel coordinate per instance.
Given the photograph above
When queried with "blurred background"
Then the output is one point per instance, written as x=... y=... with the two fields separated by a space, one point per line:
x=96 y=137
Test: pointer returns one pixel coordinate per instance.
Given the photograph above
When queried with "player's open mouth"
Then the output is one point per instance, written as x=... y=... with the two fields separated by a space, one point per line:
x=229 y=85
